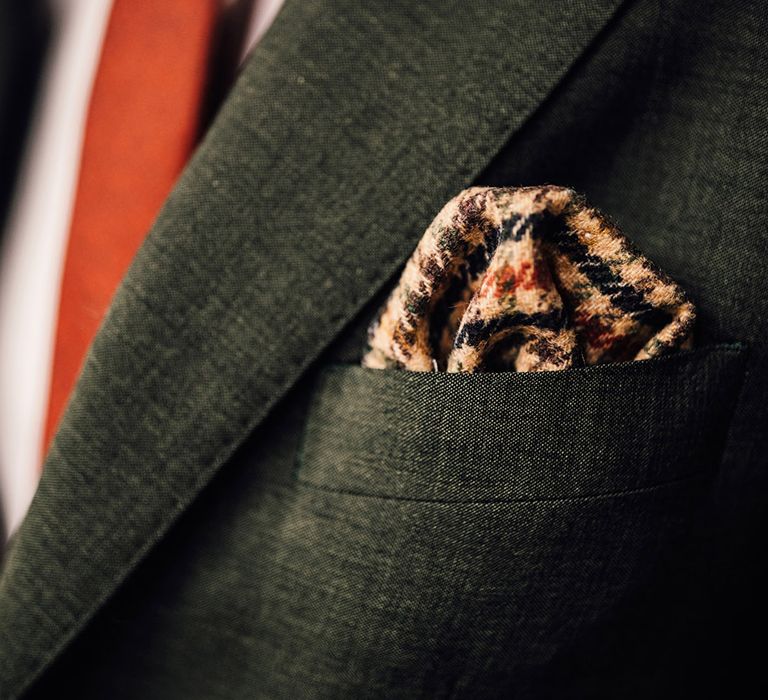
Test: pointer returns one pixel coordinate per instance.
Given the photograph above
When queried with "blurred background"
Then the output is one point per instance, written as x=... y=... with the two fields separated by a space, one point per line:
x=102 y=102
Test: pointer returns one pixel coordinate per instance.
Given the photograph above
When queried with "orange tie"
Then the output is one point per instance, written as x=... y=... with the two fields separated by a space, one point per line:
x=142 y=124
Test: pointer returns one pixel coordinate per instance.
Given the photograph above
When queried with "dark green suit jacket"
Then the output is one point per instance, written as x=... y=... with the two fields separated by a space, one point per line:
x=233 y=508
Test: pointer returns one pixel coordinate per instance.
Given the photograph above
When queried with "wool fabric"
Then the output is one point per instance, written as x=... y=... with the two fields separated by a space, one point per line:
x=526 y=279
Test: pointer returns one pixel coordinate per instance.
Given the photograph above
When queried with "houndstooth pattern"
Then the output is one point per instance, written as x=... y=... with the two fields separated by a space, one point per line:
x=526 y=279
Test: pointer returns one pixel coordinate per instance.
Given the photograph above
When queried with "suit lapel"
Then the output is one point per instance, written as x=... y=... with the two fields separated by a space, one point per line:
x=351 y=126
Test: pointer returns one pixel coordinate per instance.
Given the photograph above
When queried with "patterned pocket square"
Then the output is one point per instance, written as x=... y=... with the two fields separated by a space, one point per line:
x=526 y=279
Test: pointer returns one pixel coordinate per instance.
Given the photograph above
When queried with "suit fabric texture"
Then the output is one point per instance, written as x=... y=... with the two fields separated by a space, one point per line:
x=233 y=507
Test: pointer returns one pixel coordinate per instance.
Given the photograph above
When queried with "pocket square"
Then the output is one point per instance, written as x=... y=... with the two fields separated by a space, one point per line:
x=526 y=279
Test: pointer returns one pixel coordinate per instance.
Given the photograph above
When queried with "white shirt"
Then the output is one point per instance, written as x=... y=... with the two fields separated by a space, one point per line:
x=35 y=239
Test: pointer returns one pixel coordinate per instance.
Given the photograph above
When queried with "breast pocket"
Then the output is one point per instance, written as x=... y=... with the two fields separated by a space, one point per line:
x=455 y=535
x=593 y=431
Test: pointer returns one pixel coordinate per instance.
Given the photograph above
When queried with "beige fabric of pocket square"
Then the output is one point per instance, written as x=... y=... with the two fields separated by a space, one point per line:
x=526 y=279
